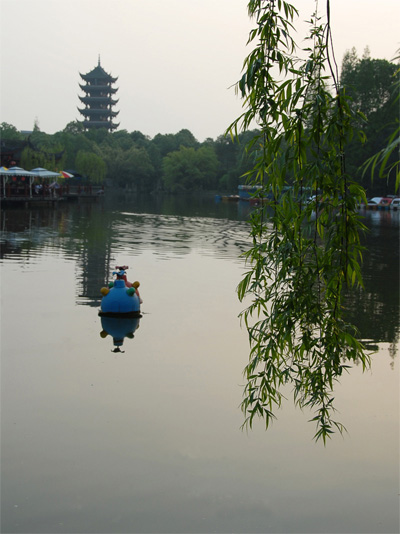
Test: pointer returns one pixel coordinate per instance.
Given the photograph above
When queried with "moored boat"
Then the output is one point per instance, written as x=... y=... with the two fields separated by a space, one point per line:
x=230 y=198
x=378 y=203
x=248 y=191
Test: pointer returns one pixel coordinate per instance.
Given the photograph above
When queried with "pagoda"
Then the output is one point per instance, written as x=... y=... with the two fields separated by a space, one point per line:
x=98 y=99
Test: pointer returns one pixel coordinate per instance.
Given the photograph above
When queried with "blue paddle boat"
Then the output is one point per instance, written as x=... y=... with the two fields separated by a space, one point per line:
x=120 y=298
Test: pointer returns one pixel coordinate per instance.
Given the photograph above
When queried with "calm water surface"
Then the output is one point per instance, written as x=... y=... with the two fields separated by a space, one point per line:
x=148 y=439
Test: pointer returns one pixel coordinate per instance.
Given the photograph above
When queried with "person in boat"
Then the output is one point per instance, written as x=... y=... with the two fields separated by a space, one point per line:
x=123 y=277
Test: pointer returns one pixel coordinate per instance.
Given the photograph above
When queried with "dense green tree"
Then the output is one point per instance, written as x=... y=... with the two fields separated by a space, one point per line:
x=163 y=144
x=228 y=153
x=43 y=150
x=141 y=169
x=72 y=142
x=130 y=169
x=167 y=143
x=91 y=166
x=207 y=163
x=188 y=169
x=370 y=86
x=30 y=159
x=97 y=135
x=234 y=160
x=10 y=132
x=139 y=139
x=368 y=82
x=121 y=139
x=386 y=161
x=74 y=127
x=185 y=138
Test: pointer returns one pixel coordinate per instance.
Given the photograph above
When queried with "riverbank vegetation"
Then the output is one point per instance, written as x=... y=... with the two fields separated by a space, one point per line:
x=180 y=163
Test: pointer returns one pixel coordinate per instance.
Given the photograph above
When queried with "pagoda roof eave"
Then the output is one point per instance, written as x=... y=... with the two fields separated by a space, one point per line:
x=98 y=73
x=91 y=112
x=100 y=124
x=98 y=88
x=108 y=79
x=98 y=100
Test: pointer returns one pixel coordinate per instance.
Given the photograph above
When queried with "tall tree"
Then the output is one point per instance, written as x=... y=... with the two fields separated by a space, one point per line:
x=234 y=160
x=387 y=159
x=368 y=82
x=371 y=87
x=188 y=169
x=130 y=169
x=10 y=132
x=91 y=165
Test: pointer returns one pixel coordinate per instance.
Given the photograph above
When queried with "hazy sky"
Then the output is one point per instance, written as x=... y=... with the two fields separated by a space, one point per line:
x=176 y=60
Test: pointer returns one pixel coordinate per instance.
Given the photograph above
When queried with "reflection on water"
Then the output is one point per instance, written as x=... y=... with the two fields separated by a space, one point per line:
x=112 y=428
x=375 y=310
x=95 y=235
x=119 y=329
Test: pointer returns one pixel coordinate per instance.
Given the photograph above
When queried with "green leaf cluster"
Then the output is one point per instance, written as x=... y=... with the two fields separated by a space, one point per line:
x=306 y=235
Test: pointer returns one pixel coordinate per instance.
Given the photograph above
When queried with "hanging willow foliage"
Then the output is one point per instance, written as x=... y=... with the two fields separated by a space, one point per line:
x=305 y=234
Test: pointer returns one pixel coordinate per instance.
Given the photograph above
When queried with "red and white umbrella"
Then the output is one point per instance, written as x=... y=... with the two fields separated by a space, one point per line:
x=65 y=174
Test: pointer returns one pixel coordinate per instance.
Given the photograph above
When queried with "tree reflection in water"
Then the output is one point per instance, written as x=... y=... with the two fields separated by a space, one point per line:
x=94 y=235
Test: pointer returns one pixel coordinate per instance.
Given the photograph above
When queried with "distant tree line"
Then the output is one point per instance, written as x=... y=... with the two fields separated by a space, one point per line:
x=168 y=162
x=179 y=163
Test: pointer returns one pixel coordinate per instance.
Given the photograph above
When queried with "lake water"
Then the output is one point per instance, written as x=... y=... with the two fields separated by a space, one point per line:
x=148 y=439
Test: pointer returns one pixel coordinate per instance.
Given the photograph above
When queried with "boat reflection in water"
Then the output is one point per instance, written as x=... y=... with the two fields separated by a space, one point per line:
x=119 y=329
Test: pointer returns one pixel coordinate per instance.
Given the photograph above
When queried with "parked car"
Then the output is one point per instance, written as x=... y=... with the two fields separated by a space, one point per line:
x=395 y=204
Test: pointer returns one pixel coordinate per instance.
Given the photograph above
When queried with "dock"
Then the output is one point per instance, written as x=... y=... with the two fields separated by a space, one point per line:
x=12 y=196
